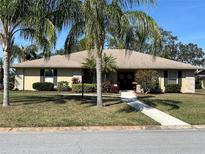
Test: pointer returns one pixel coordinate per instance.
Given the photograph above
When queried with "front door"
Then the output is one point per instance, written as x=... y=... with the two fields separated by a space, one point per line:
x=125 y=80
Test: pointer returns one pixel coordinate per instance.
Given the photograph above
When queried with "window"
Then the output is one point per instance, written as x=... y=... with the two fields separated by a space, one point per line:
x=49 y=75
x=173 y=77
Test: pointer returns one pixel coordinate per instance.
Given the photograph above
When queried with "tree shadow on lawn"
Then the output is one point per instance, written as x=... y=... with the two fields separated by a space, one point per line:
x=60 y=99
x=172 y=104
x=92 y=100
x=128 y=109
x=29 y=99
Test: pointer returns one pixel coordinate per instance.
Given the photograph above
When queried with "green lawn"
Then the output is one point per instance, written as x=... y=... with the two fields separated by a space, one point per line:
x=47 y=109
x=201 y=91
x=187 y=107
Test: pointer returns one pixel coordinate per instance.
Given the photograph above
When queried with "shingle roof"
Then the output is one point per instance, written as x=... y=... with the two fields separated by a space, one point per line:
x=126 y=59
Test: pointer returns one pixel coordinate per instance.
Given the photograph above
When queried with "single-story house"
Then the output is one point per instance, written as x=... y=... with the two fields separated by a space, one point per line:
x=64 y=68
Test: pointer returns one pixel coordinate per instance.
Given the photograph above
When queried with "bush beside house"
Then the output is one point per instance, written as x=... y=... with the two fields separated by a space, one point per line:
x=43 y=86
x=198 y=83
x=108 y=87
x=173 y=88
x=149 y=80
x=63 y=86
x=88 y=88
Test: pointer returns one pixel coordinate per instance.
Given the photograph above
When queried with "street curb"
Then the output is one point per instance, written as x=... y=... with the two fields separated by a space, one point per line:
x=98 y=128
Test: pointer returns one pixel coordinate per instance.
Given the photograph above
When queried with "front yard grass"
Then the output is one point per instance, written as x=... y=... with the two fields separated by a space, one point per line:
x=50 y=109
x=187 y=107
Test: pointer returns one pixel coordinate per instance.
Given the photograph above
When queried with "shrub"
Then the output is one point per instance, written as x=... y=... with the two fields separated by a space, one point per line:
x=63 y=86
x=106 y=87
x=11 y=85
x=198 y=84
x=173 y=88
x=75 y=80
x=114 y=89
x=149 y=80
x=43 y=86
x=87 y=88
x=155 y=88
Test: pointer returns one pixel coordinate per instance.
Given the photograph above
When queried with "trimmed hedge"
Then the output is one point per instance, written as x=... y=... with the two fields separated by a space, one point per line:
x=155 y=89
x=63 y=86
x=43 y=86
x=173 y=88
x=87 y=88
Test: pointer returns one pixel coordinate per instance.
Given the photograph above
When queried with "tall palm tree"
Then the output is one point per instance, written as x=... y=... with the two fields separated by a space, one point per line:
x=32 y=19
x=1 y=73
x=99 y=18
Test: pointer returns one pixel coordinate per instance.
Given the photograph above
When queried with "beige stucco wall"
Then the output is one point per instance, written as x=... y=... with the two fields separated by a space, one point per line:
x=19 y=79
x=161 y=81
x=31 y=76
x=188 y=82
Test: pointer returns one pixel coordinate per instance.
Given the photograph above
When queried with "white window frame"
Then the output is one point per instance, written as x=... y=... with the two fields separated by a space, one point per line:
x=171 y=78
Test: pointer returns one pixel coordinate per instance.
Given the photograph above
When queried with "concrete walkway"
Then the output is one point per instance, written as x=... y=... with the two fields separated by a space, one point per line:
x=157 y=115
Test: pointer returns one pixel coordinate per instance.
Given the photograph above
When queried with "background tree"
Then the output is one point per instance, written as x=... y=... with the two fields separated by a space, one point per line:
x=190 y=53
x=100 y=18
x=173 y=49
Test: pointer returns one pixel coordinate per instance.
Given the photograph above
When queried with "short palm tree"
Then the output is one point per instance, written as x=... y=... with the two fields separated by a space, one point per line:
x=90 y=64
x=99 y=18
x=108 y=65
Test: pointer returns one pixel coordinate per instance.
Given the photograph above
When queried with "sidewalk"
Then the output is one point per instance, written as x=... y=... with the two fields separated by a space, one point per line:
x=157 y=115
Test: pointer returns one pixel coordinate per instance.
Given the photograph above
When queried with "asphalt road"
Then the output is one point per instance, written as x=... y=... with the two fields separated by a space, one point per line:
x=142 y=142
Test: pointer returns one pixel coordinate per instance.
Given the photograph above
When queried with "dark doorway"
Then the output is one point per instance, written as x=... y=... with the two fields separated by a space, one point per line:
x=125 y=80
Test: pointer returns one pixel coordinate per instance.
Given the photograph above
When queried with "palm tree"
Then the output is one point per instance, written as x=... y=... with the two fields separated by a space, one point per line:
x=99 y=18
x=1 y=73
x=24 y=53
x=108 y=65
x=32 y=19
x=90 y=64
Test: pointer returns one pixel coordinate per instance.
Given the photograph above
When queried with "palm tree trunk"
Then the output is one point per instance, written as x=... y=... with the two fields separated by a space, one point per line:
x=6 y=79
x=99 y=79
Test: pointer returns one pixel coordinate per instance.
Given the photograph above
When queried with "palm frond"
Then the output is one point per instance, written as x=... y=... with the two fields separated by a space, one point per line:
x=132 y=3
x=77 y=31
